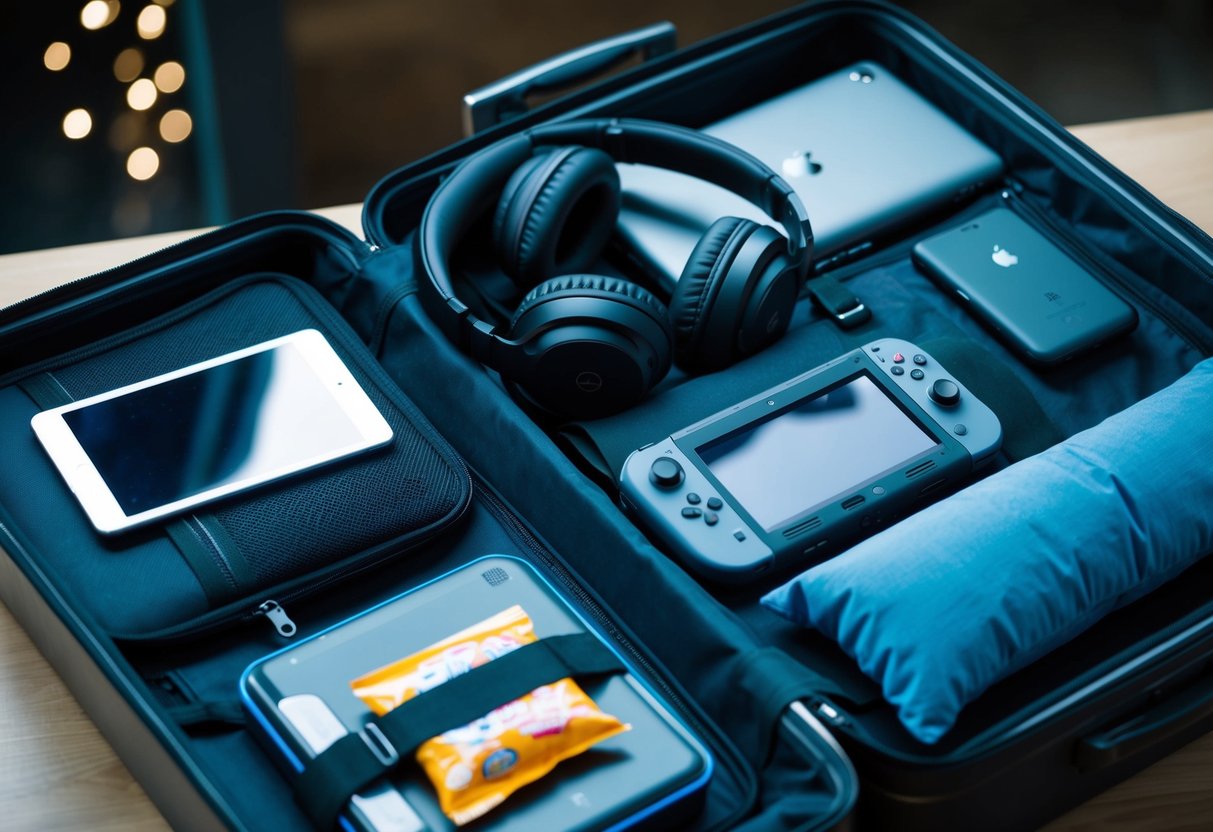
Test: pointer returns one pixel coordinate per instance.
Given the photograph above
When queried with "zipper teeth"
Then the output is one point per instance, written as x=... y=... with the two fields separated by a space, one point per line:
x=1021 y=206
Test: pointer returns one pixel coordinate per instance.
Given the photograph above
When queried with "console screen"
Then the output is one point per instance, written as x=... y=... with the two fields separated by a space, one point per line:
x=789 y=465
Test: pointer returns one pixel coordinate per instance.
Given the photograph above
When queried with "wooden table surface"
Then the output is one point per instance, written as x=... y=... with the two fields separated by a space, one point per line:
x=57 y=772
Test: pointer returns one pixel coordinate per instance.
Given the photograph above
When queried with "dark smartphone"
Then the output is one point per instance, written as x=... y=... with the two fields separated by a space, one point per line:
x=1039 y=299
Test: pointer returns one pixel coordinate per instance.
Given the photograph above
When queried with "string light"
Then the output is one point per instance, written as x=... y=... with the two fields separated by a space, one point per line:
x=175 y=126
x=141 y=95
x=97 y=14
x=142 y=164
x=128 y=65
x=150 y=23
x=77 y=124
x=126 y=131
x=169 y=76
x=57 y=56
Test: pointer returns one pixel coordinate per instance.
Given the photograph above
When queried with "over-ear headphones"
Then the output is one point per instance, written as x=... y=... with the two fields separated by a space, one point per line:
x=586 y=345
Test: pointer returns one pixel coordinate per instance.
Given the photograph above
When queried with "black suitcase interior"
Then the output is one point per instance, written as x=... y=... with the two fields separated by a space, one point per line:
x=757 y=690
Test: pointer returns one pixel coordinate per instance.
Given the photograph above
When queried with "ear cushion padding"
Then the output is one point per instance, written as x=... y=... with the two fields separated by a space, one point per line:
x=556 y=213
x=691 y=304
x=589 y=284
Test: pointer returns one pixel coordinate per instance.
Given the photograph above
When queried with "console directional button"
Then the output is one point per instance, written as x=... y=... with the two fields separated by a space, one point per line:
x=945 y=393
x=665 y=473
x=691 y=513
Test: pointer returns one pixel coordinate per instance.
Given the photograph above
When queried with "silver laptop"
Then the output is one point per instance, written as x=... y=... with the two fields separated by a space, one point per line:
x=864 y=152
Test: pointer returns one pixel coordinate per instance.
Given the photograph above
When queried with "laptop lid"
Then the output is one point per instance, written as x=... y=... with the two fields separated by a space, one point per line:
x=864 y=152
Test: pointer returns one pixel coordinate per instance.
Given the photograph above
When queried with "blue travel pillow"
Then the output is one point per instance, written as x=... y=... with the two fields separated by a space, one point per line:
x=947 y=602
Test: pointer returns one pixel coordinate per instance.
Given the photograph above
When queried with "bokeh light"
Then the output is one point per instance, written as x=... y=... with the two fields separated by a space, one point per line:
x=127 y=131
x=175 y=126
x=169 y=76
x=128 y=65
x=57 y=56
x=77 y=124
x=142 y=164
x=97 y=14
x=150 y=24
x=141 y=95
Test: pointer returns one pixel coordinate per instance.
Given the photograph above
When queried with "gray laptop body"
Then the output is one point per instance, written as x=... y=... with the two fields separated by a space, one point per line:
x=864 y=152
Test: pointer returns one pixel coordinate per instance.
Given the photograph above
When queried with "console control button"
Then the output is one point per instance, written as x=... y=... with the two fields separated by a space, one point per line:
x=711 y=518
x=945 y=393
x=899 y=371
x=920 y=359
x=739 y=534
x=917 y=374
x=960 y=430
x=715 y=503
x=693 y=498
x=691 y=513
x=665 y=473
x=898 y=358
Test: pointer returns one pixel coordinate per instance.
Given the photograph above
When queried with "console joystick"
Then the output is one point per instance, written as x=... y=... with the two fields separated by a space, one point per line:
x=945 y=393
x=665 y=473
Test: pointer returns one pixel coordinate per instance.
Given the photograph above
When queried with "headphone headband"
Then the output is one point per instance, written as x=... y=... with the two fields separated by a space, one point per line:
x=464 y=195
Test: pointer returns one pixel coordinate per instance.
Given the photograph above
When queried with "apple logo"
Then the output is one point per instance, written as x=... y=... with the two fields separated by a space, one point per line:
x=799 y=164
x=1003 y=257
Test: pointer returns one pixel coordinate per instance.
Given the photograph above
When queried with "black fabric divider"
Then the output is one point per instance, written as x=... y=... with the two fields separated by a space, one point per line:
x=1026 y=428
x=329 y=780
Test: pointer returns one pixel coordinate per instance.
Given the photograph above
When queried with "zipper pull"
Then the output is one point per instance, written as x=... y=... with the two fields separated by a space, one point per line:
x=278 y=617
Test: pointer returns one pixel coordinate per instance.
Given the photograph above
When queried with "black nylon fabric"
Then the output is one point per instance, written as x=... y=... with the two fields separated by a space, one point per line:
x=135 y=583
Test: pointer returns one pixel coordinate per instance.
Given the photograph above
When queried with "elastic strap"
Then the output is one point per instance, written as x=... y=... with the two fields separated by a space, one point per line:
x=328 y=781
x=212 y=556
x=45 y=390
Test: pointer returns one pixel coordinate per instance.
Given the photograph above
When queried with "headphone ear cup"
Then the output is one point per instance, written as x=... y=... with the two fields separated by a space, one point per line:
x=596 y=344
x=734 y=297
x=556 y=213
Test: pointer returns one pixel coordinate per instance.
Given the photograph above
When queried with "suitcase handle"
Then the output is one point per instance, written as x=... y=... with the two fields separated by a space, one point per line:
x=506 y=98
x=1166 y=719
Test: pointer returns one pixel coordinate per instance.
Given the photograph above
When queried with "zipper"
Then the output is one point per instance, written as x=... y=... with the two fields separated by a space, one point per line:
x=277 y=616
x=1101 y=267
x=368 y=560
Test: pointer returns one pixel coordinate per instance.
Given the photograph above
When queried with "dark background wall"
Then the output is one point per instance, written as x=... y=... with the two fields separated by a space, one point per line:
x=304 y=103
x=1082 y=60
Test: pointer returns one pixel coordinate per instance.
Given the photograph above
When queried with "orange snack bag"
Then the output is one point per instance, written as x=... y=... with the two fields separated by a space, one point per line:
x=477 y=766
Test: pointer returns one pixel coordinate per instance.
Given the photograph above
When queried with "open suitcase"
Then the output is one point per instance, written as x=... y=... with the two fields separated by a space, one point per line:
x=799 y=738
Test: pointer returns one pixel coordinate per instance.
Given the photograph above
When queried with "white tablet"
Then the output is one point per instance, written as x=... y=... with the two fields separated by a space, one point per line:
x=167 y=444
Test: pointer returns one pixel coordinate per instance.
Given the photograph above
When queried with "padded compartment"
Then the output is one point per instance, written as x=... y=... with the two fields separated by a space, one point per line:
x=1158 y=262
x=223 y=560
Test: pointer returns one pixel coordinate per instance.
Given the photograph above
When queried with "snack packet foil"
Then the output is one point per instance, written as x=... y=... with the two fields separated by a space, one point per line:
x=475 y=767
